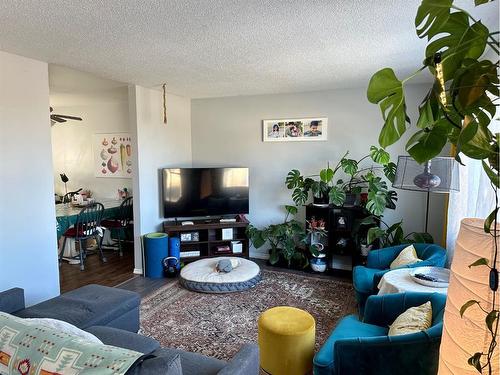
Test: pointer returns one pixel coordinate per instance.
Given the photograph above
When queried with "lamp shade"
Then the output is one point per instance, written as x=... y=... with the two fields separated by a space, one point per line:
x=464 y=336
x=438 y=175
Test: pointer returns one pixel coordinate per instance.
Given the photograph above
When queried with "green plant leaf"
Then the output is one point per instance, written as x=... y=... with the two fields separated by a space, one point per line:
x=490 y=319
x=422 y=237
x=475 y=361
x=349 y=166
x=431 y=16
x=391 y=198
x=479 y=262
x=428 y=143
x=292 y=210
x=457 y=40
x=492 y=175
x=299 y=196
x=390 y=171
x=273 y=256
x=373 y=234
x=294 y=179
x=387 y=91
x=379 y=155
x=466 y=305
x=480 y=2
x=429 y=108
x=336 y=196
x=490 y=219
x=326 y=175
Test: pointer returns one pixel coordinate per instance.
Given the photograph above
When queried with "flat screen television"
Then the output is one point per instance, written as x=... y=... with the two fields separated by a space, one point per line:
x=195 y=192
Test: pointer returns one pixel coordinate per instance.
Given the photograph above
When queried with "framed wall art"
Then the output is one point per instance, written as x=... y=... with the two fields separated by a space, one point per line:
x=295 y=129
x=113 y=155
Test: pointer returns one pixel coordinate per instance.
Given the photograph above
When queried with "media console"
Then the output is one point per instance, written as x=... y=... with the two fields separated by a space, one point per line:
x=204 y=239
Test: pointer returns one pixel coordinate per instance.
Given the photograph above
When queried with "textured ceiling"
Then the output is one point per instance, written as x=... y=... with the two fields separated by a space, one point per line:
x=209 y=48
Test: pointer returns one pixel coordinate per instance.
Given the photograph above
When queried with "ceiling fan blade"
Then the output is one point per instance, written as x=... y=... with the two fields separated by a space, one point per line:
x=57 y=118
x=51 y=109
x=68 y=117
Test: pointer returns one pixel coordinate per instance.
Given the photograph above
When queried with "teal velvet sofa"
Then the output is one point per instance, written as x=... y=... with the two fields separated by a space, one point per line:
x=366 y=278
x=363 y=347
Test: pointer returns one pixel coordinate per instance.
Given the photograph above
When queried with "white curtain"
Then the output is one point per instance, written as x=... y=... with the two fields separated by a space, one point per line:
x=476 y=199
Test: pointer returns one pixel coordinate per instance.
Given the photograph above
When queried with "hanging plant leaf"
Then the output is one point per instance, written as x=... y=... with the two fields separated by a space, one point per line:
x=475 y=140
x=428 y=143
x=490 y=219
x=379 y=155
x=429 y=108
x=326 y=175
x=390 y=171
x=492 y=175
x=431 y=16
x=374 y=233
x=457 y=41
x=349 y=166
x=292 y=210
x=490 y=320
x=336 y=196
x=299 y=196
x=480 y=2
x=475 y=361
x=466 y=305
x=293 y=179
x=387 y=91
x=479 y=262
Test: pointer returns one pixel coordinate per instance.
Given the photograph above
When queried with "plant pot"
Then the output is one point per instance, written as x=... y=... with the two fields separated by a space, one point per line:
x=318 y=263
x=350 y=199
x=321 y=201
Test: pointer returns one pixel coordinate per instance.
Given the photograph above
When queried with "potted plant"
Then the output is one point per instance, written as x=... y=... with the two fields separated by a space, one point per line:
x=284 y=239
x=463 y=56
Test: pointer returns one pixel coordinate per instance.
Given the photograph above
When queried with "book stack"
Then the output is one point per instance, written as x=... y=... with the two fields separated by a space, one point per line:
x=190 y=254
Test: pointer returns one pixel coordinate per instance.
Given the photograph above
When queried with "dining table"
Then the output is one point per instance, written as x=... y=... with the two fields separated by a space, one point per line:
x=66 y=214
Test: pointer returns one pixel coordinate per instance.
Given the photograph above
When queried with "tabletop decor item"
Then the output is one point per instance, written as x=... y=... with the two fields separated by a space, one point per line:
x=296 y=129
x=436 y=277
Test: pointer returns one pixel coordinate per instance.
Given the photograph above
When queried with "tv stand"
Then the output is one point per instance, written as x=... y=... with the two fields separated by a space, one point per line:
x=208 y=238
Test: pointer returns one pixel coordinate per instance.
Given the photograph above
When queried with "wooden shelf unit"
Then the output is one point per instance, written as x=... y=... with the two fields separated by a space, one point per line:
x=209 y=237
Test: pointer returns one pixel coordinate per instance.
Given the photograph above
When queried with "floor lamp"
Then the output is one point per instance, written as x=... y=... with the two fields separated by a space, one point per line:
x=438 y=175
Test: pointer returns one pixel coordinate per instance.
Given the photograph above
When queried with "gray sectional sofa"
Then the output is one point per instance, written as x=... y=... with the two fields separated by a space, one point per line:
x=112 y=315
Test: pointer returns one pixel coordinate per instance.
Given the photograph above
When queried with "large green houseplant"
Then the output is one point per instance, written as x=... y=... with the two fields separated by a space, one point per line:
x=458 y=110
x=359 y=177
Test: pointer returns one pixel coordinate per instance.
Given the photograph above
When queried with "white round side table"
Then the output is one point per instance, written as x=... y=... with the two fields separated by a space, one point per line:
x=399 y=281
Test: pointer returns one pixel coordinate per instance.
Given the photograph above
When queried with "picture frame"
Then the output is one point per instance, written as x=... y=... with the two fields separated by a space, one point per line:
x=307 y=129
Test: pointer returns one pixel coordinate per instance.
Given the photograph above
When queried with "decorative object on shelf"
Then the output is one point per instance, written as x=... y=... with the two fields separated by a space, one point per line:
x=467 y=323
x=113 y=155
x=236 y=247
x=319 y=261
x=297 y=129
x=227 y=233
x=437 y=175
x=190 y=236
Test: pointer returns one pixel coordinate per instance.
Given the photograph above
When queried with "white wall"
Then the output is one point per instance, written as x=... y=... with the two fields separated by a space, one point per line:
x=103 y=106
x=159 y=146
x=28 y=254
x=228 y=131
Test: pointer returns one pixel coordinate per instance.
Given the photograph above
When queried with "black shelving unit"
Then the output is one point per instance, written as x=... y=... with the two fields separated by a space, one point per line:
x=341 y=243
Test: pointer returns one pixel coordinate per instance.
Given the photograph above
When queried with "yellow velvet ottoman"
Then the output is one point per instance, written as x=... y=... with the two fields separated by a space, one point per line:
x=286 y=341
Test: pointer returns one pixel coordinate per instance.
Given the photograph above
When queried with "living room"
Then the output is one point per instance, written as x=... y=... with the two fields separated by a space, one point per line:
x=110 y=99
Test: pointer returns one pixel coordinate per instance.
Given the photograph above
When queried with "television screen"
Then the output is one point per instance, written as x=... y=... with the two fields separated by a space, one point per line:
x=191 y=192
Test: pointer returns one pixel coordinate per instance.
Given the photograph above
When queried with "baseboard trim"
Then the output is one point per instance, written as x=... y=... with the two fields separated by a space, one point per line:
x=137 y=271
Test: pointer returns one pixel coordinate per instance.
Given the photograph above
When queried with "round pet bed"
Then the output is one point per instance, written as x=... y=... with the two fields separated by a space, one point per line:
x=201 y=276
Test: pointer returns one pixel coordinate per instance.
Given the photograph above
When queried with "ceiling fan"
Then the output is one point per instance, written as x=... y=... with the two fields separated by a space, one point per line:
x=55 y=118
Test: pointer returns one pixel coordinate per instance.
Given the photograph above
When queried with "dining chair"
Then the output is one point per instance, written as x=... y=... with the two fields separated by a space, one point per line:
x=88 y=225
x=122 y=221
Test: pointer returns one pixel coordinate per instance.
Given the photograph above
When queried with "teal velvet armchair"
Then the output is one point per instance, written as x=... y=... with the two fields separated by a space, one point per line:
x=366 y=278
x=363 y=347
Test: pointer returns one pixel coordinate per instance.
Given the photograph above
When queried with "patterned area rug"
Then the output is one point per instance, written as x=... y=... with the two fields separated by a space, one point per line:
x=217 y=325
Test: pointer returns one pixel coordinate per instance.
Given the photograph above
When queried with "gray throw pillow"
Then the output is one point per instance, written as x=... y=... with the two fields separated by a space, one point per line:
x=158 y=365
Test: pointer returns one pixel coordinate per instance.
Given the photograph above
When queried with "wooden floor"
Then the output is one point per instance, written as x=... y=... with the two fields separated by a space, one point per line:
x=115 y=271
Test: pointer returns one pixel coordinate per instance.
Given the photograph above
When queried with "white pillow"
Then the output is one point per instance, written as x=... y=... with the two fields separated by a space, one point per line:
x=65 y=327
x=415 y=319
x=407 y=256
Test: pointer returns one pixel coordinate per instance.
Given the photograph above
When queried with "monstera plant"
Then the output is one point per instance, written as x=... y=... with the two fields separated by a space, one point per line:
x=463 y=56
x=359 y=178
